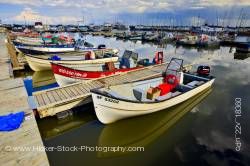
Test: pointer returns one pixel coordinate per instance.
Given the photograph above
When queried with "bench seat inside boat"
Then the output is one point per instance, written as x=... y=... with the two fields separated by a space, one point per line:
x=141 y=95
x=195 y=83
x=167 y=96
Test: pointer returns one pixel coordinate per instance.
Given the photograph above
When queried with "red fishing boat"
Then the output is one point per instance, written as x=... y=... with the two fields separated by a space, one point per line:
x=70 y=74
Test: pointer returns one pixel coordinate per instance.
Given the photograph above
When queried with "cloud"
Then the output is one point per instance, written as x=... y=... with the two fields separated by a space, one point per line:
x=129 y=5
x=105 y=10
x=30 y=15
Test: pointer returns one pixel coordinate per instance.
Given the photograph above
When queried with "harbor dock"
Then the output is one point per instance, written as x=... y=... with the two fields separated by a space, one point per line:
x=16 y=146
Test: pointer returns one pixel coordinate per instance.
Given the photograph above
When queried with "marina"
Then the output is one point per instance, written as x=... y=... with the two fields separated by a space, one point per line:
x=139 y=88
x=66 y=99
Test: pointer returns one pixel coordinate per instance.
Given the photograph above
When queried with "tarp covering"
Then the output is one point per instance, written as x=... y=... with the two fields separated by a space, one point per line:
x=11 y=121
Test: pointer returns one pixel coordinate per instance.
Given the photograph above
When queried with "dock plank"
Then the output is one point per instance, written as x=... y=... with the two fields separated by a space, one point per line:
x=60 y=94
x=87 y=86
x=45 y=98
x=76 y=90
x=82 y=89
x=51 y=97
x=71 y=94
x=40 y=100
x=64 y=92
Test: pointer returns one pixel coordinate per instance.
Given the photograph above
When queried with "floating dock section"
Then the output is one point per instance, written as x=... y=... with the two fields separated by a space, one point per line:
x=53 y=101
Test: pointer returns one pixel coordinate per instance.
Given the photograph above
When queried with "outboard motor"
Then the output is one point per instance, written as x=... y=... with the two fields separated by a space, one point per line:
x=101 y=46
x=203 y=70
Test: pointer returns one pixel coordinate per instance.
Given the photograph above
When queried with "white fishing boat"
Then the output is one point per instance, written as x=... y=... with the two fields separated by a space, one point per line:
x=29 y=40
x=134 y=99
x=189 y=40
x=43 y=49
x=41 y=63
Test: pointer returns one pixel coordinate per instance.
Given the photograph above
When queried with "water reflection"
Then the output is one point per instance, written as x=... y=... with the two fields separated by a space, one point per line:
x=241 y=56
x=52 y=127
x=43 y=78
x=141 y=131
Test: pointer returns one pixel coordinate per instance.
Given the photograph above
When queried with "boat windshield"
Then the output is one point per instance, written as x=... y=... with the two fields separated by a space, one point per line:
x=174 y=66
x=130 y=54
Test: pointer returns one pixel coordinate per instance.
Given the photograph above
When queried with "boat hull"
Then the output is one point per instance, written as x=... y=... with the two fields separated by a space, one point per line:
x=187 y=43
x=41 y=64
x=109 y=110
x=41 y=49
x=243 y=47
x=66 y=75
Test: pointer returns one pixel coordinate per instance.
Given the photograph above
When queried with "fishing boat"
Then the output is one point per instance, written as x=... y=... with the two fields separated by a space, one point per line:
x=148 y=96
x=189 y=40
x=208 y=41
x=241 y=55
x=44 y=48
x=151 y=37
x=29 y=40
x=89 y=60
x=242 y=44
x=147 y=128
x=243 y=47
x=67 y=74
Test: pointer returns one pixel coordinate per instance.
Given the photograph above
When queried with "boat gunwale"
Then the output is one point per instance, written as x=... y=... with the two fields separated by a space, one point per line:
x=37 y=57
x=78 y=70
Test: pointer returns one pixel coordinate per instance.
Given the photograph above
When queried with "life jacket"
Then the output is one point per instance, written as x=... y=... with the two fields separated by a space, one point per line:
x=170 y=82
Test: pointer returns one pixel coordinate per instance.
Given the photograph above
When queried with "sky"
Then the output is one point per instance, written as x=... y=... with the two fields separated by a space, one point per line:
x=149 y=12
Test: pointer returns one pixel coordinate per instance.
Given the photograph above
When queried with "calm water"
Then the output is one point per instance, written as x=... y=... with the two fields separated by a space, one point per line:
x=200 y=131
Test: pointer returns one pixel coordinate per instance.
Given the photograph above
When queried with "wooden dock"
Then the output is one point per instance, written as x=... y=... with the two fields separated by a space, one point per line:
x=52 y=101
x=13 y=98
x=17 y=60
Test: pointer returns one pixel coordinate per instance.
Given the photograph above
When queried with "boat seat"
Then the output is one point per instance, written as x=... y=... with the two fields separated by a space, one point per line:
x=200 y=83
x=175 y=93
x=183 y=88
x=141 y=95
x=192 y=84
x=164 y=97
x=167 y=96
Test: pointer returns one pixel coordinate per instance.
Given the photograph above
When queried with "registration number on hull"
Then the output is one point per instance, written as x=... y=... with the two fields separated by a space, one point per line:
x=108 y=99
x=111 y=100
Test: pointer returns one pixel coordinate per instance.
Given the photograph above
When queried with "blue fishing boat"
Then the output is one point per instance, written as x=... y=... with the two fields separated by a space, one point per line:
x=242 y=44
x=43 y=49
